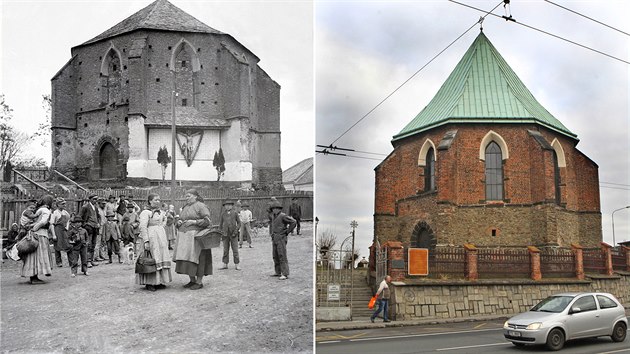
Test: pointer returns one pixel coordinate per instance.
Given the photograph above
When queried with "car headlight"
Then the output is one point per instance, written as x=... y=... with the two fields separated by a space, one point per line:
x=505 y=325
x=535 y=325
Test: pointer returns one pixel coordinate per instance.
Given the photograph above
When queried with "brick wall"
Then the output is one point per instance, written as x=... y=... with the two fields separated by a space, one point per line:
x=458 y=212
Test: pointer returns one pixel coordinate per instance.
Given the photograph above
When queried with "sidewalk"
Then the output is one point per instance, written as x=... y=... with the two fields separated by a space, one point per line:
x=365 y=323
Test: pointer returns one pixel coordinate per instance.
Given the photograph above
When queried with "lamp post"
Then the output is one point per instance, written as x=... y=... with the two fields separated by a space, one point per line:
x=354 y=225
x=613 y=222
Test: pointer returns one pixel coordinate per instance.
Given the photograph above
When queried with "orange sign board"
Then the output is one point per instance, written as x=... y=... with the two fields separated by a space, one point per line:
x=418 y=261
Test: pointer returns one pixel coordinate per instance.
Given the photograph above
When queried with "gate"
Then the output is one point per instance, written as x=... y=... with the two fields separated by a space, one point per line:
x=333 y=284
x=381 y=263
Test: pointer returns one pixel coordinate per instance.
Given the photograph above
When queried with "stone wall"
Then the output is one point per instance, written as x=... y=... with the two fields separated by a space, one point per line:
x=459 y=299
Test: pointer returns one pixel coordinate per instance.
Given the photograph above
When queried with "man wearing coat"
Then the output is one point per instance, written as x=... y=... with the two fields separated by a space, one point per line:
x=281 y=226
x=295 y=211
x=229 y=224
x=91 y=224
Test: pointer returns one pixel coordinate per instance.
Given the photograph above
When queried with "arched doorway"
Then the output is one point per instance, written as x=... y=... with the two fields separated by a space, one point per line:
x=108 y=159
x=423 y=237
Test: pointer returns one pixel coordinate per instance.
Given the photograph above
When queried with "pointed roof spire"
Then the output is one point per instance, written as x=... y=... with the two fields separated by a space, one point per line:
x=482 y=89
x=159 y=15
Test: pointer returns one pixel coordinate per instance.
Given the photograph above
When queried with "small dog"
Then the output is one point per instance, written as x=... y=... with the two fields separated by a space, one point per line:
x=127 y=253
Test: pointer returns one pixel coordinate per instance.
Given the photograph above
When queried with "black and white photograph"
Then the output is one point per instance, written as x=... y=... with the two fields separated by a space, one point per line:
x=157 y=161
x=472 y=161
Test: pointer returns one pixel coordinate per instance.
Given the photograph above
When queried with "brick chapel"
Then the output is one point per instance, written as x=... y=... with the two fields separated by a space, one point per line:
x=485 y=163
x=112 y=111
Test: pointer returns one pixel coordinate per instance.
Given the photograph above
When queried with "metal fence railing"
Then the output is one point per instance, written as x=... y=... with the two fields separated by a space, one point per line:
x=594 y=261
x=333 y=278
x=503 y=262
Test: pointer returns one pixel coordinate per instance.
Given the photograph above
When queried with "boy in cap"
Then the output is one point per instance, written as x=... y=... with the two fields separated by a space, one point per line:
x=77 y=238
x=111 y=236
x=245 y=217
x=130 y=225
x=281 y=225
x=229 y=225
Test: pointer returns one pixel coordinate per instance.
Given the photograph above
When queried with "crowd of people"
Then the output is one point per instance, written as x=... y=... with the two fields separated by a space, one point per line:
x=103 y=227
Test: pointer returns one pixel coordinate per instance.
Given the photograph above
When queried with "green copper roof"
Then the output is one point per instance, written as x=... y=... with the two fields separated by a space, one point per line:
x=482 y=89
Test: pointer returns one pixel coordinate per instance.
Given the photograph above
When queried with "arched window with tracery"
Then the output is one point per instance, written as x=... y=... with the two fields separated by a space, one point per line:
x=111 y=74
x=556 y=177
x=185 y=76
x=494 y=172
x=429 y=171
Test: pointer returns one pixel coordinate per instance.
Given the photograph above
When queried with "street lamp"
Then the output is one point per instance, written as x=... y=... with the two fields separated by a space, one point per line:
x=613 y=222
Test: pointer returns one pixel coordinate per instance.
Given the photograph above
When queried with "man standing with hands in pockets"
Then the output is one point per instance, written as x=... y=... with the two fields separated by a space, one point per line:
x=281 y=226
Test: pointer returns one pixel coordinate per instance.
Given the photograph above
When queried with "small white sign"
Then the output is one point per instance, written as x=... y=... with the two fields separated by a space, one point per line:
x=334 y=292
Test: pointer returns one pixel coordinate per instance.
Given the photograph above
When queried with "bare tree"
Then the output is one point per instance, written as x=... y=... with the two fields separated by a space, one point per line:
x=12 y=141
x=43 y=131
x=324 y=244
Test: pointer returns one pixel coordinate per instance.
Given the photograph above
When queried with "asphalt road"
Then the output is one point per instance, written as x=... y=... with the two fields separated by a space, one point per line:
x=452 y=338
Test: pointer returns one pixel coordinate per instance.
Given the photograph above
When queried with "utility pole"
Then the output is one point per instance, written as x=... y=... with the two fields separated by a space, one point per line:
x=354 y=225
x=173 y=152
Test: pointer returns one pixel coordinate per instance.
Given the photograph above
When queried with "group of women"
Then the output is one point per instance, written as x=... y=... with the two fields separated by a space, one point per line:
x=189 y=255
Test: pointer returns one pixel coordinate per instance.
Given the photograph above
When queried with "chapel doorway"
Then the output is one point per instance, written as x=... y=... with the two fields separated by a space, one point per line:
x=108 y=158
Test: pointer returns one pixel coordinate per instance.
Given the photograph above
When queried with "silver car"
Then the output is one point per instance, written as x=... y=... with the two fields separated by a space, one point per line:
x=567 y=316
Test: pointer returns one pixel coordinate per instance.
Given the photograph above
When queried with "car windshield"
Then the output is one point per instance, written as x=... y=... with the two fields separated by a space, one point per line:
x=553 y=304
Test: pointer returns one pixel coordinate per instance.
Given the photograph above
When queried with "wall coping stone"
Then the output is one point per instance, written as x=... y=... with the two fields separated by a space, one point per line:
x=602 y=276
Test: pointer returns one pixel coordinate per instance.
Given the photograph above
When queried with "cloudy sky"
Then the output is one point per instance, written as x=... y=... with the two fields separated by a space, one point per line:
x=364 y=50
x=37 y=36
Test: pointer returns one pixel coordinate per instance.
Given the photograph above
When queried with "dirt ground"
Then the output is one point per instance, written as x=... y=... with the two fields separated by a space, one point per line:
x=105 y=312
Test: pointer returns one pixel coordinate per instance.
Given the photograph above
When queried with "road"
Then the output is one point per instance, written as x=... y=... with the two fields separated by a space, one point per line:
x=452 y=338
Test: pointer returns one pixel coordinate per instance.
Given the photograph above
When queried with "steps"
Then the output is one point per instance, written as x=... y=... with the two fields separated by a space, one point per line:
x=361 y=295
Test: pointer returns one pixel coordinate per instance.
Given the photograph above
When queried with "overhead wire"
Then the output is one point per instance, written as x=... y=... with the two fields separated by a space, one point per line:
x=415 y=73
x=547 y=33
x=587 y=17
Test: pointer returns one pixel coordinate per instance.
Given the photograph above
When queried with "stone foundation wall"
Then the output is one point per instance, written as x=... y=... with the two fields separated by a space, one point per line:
x=458 y=300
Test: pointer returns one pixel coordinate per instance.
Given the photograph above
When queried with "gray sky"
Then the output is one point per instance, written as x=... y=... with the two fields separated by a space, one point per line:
x=37 y=36
x=364 y=50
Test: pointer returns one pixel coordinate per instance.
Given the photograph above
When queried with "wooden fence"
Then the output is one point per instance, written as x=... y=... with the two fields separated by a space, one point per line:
x=557 y=262
x=213 y=198
x=594 y=261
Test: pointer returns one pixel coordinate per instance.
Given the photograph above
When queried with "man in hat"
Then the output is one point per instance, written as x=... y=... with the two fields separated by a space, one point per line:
x=77 y=238
x=229 y=224
x=112 y=235
x=295 y=211
x=245 y=217
x=110 y=205
x=91 y=224
x=101 y=248
x=281 y=225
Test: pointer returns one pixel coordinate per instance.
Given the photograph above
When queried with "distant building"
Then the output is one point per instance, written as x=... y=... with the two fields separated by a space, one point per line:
x=299 y=177
x=485 y=163
x=111 y=109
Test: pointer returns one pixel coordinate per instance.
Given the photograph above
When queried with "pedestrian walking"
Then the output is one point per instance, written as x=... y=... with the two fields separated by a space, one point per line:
x=295 y=211
x=281 y=226
x=382 y=295
x=153 y=236
x=245 y=233
x=78 y=241
x=60 y=220
x=190 y=256
x=229 y=224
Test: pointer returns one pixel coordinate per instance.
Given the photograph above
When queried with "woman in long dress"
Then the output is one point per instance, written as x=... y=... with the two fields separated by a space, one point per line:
x=59 y=227
x=38 y=262
x=190 y=257
x=153 y=238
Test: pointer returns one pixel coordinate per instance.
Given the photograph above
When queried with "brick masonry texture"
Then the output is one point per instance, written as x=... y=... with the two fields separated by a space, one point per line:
x=496 y=298
x=229 y=84
x=457 y=211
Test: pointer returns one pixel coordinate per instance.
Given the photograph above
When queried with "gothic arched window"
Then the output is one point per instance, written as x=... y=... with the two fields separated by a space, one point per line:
x=556 y=177
x=429 y=171
x=494 y=172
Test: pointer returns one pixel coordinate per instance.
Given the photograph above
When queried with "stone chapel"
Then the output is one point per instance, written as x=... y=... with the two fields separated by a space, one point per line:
x=112 y=104
x=485 y=163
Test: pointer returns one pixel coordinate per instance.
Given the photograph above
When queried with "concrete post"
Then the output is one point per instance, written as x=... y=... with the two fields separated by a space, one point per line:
x=579 y=261
x=471 y=262
x=626 y=250
x=606 y=250
x=534 y=261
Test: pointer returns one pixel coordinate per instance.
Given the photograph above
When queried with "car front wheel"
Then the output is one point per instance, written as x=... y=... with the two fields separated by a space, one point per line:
x=619 y=332
x=555 y=339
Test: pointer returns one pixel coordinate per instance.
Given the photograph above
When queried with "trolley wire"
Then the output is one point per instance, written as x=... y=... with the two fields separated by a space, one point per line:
x=587 y=17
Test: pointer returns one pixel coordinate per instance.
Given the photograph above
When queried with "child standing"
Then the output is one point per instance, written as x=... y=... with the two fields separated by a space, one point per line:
x=131 y=229
x=229 y=225
x=112 y=236
x=77 y=238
